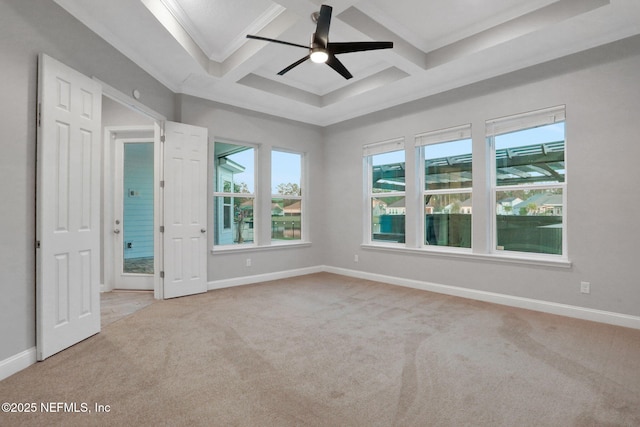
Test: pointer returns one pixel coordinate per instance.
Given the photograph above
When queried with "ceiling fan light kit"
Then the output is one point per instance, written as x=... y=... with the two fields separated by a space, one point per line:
x=319 y=56
x=321 y=50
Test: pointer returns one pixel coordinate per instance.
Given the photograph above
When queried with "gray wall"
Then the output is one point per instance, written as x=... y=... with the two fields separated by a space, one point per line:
x=601 y=90
x=116 y=114
x=234 y=124
x=28 y=27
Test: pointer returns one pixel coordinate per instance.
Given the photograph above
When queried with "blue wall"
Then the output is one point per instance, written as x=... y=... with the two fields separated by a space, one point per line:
x=138 y=200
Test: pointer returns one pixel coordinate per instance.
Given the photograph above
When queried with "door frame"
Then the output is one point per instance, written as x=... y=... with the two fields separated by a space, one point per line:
x=111 y=133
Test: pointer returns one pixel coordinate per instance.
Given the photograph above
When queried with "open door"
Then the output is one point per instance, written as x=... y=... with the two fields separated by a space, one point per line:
x=68 y=207
x=185 y=210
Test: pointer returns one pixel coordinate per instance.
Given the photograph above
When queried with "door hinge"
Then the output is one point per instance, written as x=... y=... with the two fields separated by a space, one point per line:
x=162 y=138
x=162 y=228
x=37 y=244
x=161 y=184
x=39 y=113
x=162 y=274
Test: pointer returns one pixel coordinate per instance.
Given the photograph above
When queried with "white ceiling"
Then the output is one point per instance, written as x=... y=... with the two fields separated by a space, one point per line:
x=199 y=47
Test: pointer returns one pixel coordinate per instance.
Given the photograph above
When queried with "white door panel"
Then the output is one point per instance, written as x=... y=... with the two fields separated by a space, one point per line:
x=68 y=207
x=185 y=202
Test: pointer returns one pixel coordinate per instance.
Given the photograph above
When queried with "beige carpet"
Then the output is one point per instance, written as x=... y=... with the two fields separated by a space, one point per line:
x=327 y=350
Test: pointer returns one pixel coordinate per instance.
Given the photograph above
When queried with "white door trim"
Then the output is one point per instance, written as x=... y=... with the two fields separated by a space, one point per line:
x=111 y=134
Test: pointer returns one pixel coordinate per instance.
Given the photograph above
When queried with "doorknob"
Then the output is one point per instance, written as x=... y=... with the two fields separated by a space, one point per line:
x=202 y=230
x=116 y=231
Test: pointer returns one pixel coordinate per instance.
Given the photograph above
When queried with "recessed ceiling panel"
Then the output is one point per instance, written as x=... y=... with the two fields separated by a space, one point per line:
x=199 y=47
x=219 y=26
x=435 y=23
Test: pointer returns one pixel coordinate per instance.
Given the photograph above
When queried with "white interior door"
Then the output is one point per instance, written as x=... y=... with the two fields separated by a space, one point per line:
x=68 y=207
x=133 y=224
x=185 y=210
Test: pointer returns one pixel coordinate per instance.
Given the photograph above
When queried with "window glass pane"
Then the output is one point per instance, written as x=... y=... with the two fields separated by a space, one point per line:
x=137 y=208
x=235 y=166
x=529 y=221
x=531 y=156
x=388 y=172
x=234 y=220
x=286 y=219
x=448 y=165
x=448 y=220
x=286 y=173
x=387 y=219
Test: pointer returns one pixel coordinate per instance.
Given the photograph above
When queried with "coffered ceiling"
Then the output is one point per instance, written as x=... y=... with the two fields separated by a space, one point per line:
x=199 y=47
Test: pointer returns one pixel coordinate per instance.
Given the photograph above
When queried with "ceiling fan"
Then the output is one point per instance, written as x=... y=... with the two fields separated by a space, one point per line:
x=321 y=50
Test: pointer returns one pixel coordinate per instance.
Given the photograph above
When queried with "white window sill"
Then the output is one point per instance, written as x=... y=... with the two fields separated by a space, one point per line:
x=510 y=258
x=253 y=248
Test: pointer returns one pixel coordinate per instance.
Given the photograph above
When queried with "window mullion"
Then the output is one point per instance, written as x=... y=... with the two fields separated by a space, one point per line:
x=530 y=187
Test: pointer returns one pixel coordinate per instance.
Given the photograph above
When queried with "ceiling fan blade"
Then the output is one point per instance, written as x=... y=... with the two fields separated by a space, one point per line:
x=336 y=48
x=294 y=65
x=321 y=37
x=334 y=63
x=276 y=41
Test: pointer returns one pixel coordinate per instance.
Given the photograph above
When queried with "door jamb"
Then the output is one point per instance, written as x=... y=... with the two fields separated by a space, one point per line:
x=109 y=136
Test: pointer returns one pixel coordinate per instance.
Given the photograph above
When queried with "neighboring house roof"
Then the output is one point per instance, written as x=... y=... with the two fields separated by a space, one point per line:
x=247 y=204
x=541 y=200
x=293 y=208
x=397 y=204
x=508 y=200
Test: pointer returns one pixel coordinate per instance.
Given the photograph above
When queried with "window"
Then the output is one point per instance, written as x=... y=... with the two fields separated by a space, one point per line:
x=286 y=196
x=234 y=195
x=385 y=166
x=445 y=156
x=529 y=193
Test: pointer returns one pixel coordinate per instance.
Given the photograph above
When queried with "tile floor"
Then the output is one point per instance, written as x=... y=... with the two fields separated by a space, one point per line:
x=116 y=305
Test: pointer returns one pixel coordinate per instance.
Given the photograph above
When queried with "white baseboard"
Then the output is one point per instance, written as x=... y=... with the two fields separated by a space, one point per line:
x=257 y=278
x=573 y=311
x=17 y=363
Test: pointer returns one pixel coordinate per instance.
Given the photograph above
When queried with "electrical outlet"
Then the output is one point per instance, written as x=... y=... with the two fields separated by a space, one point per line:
x=355 y=258
x=585 y=287
x=248 y=262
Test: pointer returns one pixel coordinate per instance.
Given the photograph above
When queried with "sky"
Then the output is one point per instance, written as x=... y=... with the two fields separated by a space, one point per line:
x=285 y=168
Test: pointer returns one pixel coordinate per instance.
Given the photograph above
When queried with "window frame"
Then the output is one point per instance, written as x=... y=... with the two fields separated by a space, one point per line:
x=231 y=194
x=515 y=123
x=302 y=197
x=370 y=150
x=422 y=140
